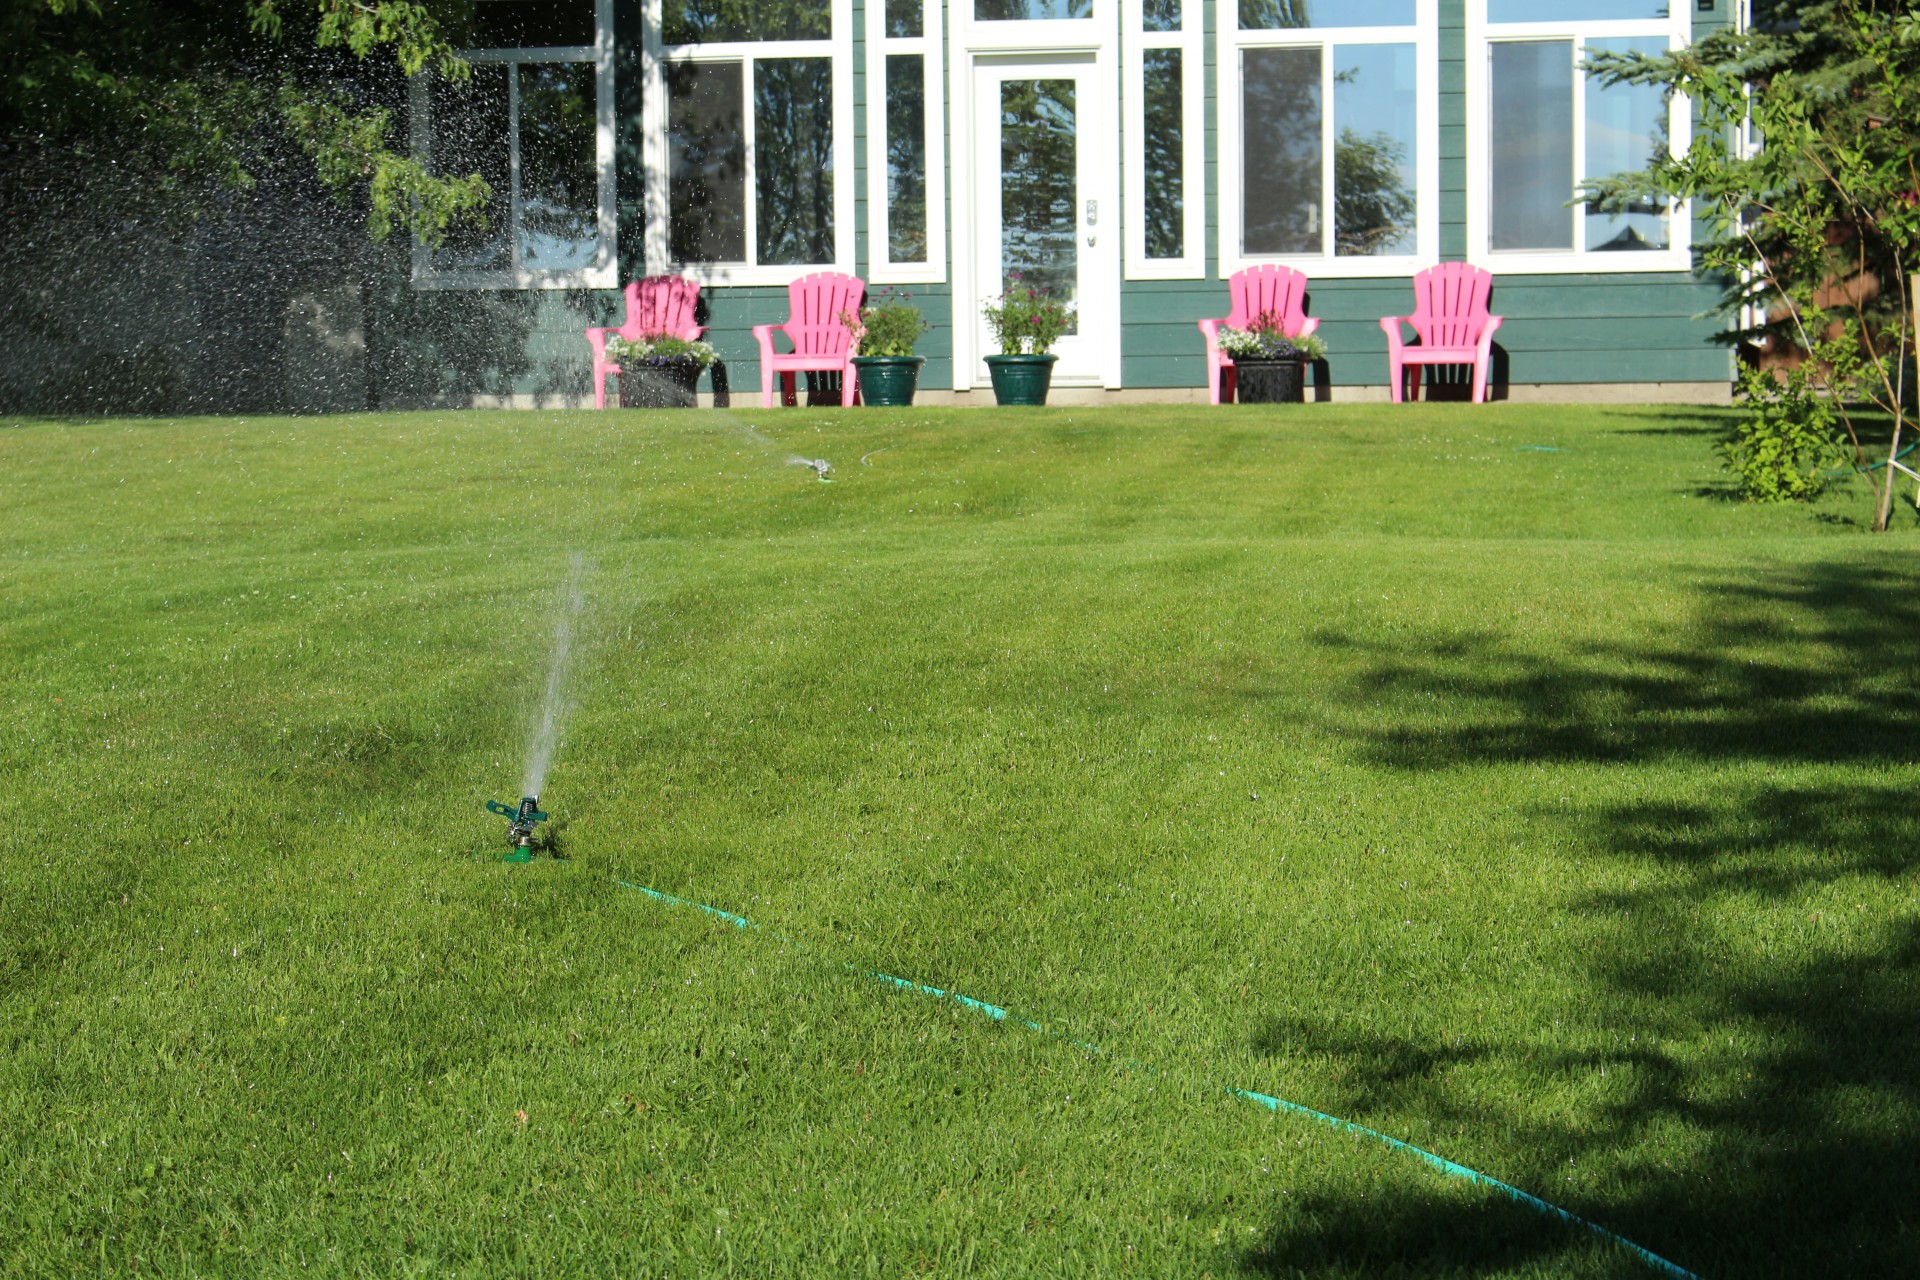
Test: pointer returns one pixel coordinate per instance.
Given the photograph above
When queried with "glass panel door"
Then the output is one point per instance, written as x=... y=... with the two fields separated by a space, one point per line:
x=1040 y=136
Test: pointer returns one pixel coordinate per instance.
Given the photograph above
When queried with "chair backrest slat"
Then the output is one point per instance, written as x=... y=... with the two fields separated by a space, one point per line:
x=662 y=306
x=1450 y=304
x=1268 y=288
x=815 y=304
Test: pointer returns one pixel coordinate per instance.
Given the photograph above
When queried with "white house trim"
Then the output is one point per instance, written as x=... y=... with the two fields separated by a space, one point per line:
x=604 y=273
x=1190 y=40
x=654 y=57
x=1230 y=41
x=880 y=270
x=972 y=44
x=1481 y=35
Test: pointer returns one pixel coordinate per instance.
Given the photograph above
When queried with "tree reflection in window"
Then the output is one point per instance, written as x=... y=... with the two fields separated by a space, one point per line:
x=1031 y=10
x=707 y=162
x=559 y=180
x=1165 y=149
x=740 y=21
x=793 y=159
x=1287 y=15
x=906 y=158
x=1039 y=170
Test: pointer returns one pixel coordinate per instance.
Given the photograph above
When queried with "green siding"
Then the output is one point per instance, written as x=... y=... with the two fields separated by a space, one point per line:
x=1564 y=328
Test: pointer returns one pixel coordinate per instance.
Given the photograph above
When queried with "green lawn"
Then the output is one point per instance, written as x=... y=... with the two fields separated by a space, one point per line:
x=1480 y=774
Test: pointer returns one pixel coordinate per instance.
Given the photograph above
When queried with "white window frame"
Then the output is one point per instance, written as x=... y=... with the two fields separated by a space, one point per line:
x=655 y=170
x=604 y=273
x=1481 y=36
x=1424 y=36
x=1190 y=40
x=880 y=269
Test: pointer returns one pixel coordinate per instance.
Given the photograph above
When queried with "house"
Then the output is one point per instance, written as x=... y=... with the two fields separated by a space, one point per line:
x=1131 y=154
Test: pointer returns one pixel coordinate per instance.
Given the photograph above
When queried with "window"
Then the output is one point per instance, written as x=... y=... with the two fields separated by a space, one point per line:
x=906 y=193
x=1547 y=125
x=1165 y=158
x=1328 y=135
x=535 y=118
x=748 y=170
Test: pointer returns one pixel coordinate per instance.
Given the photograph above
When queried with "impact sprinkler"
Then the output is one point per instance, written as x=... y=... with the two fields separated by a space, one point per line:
x=822 y=468
x=521 y=822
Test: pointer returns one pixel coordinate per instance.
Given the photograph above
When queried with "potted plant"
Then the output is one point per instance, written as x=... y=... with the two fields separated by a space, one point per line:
x=1026 y=321
x=658 y=372
x=1269 y=364
x=883 y=338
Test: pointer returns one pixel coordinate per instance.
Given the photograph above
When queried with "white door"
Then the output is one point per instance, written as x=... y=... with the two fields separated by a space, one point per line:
x=1046 y=202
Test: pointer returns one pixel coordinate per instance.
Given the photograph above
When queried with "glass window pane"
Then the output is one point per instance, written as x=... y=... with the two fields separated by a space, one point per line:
x=906 y=158
x=1030 y=10
x=470 y=132
x=1532 y=163
x=1280 y=155
x=1626 y=129
x=1375 y=149
x=559 y=178
x=531 y=24
x=793 y=160
x=904 y=18
x=716 y=21
x=1281 y=15
x=1164 y=139
x=1575 y=10
x=1160 y=15
x=1039 y=180
x=706 y=162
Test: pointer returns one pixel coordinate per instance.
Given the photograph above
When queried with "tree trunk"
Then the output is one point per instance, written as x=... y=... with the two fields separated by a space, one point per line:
x=1884 y=515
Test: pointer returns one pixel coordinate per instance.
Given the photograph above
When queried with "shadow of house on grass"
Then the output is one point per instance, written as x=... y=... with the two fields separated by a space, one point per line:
x=1767 y=935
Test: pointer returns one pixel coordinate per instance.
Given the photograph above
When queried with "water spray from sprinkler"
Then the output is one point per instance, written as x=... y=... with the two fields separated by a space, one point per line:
x=520 y=824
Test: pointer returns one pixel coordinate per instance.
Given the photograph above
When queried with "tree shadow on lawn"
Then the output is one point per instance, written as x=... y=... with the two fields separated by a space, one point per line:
x=1768 y=1122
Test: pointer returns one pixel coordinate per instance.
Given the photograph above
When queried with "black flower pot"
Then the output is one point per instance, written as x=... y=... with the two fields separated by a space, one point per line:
x=664 y=384
x=1270 y=381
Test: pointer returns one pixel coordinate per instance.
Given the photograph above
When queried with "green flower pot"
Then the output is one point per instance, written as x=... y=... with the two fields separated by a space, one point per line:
x=1020 y=379
x=888 y=380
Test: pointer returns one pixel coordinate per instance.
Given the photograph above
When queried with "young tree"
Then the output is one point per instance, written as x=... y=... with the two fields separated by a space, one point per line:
x=182 y=94
x=1803 y=162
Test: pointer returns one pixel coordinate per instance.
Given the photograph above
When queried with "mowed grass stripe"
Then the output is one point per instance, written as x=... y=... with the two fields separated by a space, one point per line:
x=1541 y=809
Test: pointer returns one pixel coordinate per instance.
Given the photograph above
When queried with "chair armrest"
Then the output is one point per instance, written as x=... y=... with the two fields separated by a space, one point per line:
x=1396 y=340
x=763 y=334
x=1210 y=330
x=1486 y=334
x=1312 y=323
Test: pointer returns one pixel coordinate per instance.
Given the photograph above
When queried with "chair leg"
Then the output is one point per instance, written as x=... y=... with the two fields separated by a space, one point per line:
x=599 y=388
x=789 y=396
x=1396 y=380
x=1214 y=374
x=849 y=386
x=766 y=383
x=1479 y=381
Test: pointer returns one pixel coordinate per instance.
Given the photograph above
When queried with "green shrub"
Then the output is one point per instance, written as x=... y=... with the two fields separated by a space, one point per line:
x=1786 y=440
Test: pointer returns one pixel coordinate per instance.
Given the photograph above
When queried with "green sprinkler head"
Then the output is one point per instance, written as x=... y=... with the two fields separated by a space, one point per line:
x=823 y=469
x=520 y=824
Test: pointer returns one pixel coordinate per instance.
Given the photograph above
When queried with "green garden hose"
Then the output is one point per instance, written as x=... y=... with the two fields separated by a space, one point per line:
x=1271 y=1103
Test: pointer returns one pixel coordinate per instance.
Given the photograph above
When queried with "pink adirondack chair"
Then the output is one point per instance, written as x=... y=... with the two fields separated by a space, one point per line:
x=821 y=344
x=1451 y=322
x=656 y=306
x=1255 y=291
